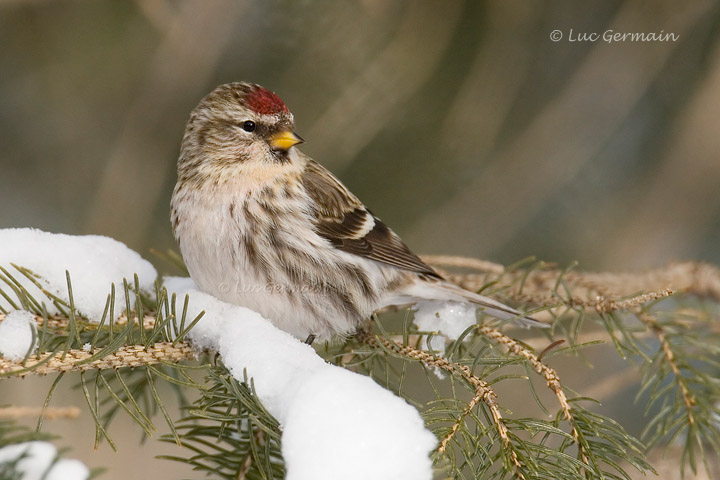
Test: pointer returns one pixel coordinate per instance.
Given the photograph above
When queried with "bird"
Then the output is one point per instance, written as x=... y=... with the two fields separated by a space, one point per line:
x=262 y=225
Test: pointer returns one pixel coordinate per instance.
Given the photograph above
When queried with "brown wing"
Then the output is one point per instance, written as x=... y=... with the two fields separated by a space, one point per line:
x=345 y=222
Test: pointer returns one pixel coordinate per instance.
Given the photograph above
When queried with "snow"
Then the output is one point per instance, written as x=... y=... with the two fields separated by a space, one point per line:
x=68 y=469
x=448 y=320
x=38 y=458
x=344 y=425
x=94 y=263
x=16 y=335
x=276 y=360
x=336 y=423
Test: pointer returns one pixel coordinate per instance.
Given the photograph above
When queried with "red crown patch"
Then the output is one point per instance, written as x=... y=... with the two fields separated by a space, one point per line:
x=265 y=102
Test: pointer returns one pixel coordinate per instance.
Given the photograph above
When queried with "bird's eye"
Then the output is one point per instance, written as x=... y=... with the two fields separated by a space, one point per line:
x=248 y=126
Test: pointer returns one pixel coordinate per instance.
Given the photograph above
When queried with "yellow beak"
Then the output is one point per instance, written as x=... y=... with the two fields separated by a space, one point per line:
x=284 y=140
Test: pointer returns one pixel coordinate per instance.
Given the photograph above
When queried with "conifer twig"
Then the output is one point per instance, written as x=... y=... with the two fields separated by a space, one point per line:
x=127 y=356
x=49 y=413
x=60 y=322
x=539 y=285
x=247 y=465
x=483 y=392
x=551 y=376
x=659 y=331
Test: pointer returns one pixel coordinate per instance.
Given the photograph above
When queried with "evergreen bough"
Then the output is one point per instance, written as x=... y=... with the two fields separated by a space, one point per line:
x=671 y=336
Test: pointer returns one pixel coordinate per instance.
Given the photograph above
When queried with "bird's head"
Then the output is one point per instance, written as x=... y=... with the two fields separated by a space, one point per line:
x=237 y=124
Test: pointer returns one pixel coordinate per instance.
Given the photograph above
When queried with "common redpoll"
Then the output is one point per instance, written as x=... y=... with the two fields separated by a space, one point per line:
x=262 y=225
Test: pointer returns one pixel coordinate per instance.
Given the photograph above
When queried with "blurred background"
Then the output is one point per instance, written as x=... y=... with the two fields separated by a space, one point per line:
x=462 y=124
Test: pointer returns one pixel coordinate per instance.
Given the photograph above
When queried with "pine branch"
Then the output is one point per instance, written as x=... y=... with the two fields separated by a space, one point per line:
x=51 y=413
x=483 y=392
x=233 y=436
x=80 y=360
x=551 y=377
x=542 y=285
x=231 y=433
x=687 y=357
x=522 y=458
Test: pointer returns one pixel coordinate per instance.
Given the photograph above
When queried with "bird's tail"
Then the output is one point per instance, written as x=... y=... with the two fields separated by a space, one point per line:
x=448 y=292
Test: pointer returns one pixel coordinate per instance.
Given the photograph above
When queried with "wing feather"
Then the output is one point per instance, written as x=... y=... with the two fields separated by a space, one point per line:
x=345 y=222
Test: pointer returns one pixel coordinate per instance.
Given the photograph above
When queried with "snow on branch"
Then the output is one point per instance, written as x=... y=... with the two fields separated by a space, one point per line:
x=89 y=304
x=44 y=259
x=310 y=398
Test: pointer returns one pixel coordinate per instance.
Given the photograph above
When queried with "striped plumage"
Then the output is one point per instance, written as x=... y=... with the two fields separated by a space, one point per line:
x=262 y=225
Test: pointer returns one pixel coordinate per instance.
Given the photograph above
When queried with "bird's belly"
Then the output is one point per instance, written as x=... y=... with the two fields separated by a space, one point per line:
x=297 y=308
x=229 y=257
